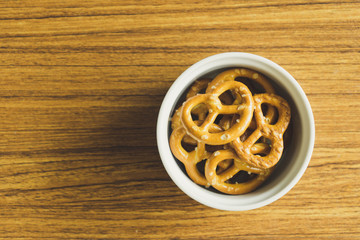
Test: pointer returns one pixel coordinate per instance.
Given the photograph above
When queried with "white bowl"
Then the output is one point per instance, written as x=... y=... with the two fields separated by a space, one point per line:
x=296 y=155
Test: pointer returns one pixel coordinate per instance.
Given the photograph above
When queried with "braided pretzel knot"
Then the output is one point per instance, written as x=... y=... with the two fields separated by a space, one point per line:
x=272 y=132
x=191 y=159
x=232 y=74
x=200 y=110
x=220 y=181
x=215 y=107
x=199 y=85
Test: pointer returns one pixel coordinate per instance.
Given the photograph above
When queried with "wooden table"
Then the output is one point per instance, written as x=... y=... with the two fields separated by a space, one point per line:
x=81 y=86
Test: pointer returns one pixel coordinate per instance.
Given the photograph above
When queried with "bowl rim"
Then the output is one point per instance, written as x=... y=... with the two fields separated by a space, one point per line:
x=234 y=202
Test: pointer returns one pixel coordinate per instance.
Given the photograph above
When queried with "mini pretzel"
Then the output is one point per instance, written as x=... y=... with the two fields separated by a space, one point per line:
x=199 y=110
x=196 y=88
x=272 y=132
x=215 y=107
x=232 y=74
x=191 y=159
x=219 y=181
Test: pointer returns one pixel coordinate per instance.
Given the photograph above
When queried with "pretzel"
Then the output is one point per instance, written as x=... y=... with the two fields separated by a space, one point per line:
x=215 y=107
x=232 y=74
x=274 y=132
x=191 y=159
x=199 y=110
x=199 y=86
x=220 y=181
x=196 y=88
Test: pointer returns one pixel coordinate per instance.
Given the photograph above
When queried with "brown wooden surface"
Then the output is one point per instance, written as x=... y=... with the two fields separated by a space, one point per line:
x=81 y=86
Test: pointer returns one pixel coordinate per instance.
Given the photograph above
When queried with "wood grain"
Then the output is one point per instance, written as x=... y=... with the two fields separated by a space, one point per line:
x=81 y=86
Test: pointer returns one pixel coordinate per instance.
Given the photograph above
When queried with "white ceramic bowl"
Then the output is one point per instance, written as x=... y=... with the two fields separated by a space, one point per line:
x=296 y=155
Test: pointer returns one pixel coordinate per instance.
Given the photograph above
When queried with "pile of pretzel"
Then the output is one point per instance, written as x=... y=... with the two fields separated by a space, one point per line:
x=228 y=135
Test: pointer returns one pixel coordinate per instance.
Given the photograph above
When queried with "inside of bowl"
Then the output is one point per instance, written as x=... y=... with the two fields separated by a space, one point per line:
x=294 y=134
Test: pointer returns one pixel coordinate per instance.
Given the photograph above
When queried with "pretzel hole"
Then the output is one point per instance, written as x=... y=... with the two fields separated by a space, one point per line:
x=247 y=81
x=187 y=146
x=223 y=165
x=264 y=140
x=226 y=121
x=235 y=119
x=246 y=134
x=253 y=86
x=265 y=148
x=199 y=112
x=265 y=109
x=262 y=154
x=213 y=148
x=241 y=177
x=194 y=117
x=259 y=140
x=226 y=98
x=203 y=90
x=201 y=166
x=218 y=118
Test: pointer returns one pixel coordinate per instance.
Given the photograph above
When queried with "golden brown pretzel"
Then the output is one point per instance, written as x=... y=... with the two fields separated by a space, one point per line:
x=191 y=159
x=274 y=133
x=220 y=180
x=232 y=74
x=200 y=110
x=215 y=107
x=176 y=123
x=199 y=85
